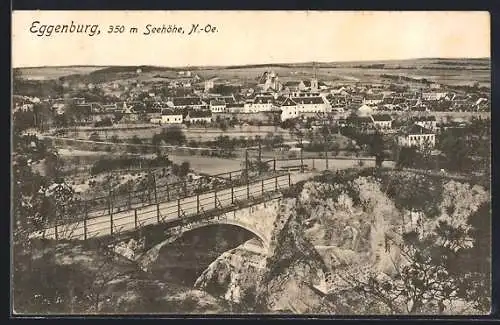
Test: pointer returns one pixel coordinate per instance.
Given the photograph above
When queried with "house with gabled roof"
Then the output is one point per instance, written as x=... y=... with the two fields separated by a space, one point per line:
x=293 y=107
x=260 y=104
x=217 y=106
x=428 y=122
x=171 y=116
x=294 y=85
x=418 y=137
x=373 y=99
x=289 y=109
x=382 y=121
x=201 y=117
x=189 y=102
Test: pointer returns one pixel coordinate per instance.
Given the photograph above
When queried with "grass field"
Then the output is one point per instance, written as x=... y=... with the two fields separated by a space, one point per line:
x=196 y=134
x=208 y=165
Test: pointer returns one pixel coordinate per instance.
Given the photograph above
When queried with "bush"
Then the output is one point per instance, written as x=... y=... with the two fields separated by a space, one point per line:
x=105 y=122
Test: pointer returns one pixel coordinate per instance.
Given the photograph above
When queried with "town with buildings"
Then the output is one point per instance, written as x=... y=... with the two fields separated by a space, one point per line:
x=393 y=106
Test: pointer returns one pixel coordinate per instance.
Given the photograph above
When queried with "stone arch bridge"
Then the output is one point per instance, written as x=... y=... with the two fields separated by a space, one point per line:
x=253 y=206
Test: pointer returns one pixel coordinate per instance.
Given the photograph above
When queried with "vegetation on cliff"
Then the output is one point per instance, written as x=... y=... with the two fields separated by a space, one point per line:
x=422 y=243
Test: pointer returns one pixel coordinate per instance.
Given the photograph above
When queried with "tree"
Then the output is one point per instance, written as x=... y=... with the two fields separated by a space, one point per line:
x=94 y=137
x=377 y=149
x=406 y=157
x=436 y=268
x=325 y=136
x=287 y=124
x=299 y=135
x=53 y=165
x=335 y=148
x=173 y=136
x=136 y=142
x=115 y=139
x=184 y=169
x=456 y=150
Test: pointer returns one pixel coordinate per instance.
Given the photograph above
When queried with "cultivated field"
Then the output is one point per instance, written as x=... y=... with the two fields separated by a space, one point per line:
x=448 y=71
x=47 y=73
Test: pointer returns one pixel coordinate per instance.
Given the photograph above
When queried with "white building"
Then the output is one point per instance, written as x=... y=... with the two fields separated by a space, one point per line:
x=209 y=84
x=433 y=96
x=195 y=117
x=382 y=121
x=417 y=136
x=428 y=122
x=259 y=104
x=187 y=102
x=316 y=104
x=373 y=100
x=171 y=117
x=289 y=109
x=293 y=107
x=218 y=106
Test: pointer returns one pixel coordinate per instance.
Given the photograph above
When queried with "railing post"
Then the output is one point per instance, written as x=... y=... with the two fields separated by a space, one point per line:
x=275 y=183
x=248 y=190
x=274 y=165
x=289 y=179
x=111 y=222
x=178 y=208
x=85 y=220
x=230 y=179
x=232 y=193
x=154 y=184
x=215 y=199
x=109 y=202
x=129 y=198
x=158 y=212
x=111 y=208
x=135 y=218
x=198 y=202
x=262 y=187
x=56 y=233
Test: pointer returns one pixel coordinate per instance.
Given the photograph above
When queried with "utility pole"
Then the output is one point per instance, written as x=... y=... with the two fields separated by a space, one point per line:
x=260 y=156
x=300 y=138
x=301 y=156
x=326 y=136
x=246 y=164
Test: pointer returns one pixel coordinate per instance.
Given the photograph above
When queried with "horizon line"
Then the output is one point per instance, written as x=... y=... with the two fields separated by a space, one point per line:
x=251 y=64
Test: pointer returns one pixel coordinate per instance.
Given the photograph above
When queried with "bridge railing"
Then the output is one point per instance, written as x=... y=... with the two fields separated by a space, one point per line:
x=174 y=211
x=127 y=199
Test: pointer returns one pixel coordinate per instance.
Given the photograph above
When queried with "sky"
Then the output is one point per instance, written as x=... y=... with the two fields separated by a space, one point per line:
x=249 y=37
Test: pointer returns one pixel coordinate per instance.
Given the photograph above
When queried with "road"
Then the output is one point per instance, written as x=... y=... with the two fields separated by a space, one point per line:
x=166 y=211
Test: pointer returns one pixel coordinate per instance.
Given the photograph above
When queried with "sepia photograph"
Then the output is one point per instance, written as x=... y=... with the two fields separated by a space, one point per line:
x=250 y=162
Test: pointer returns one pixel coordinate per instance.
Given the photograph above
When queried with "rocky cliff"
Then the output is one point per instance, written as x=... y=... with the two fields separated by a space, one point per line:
x=322 y=232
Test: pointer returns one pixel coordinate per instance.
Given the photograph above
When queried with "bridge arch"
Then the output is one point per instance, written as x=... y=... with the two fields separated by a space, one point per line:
x=257 y=219
x=151 y=255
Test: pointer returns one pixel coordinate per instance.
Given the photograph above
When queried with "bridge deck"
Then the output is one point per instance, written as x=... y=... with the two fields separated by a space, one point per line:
x=170 y=211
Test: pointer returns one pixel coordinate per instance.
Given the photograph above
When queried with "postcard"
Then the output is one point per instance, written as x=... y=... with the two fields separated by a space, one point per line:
x=251 y=162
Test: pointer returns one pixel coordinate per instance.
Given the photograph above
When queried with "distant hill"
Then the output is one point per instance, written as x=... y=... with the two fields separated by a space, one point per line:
x=96 y=74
